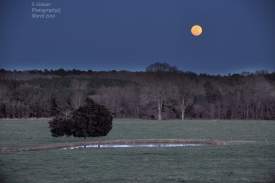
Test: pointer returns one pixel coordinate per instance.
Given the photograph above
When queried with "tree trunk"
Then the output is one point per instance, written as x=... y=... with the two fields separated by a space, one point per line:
x=159 y=109
x=183 y=109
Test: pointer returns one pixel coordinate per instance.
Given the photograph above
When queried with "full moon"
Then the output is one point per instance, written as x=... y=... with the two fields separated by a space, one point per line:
x=196 y=30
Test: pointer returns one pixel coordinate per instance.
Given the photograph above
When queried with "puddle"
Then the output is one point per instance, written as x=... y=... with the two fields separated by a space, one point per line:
x=98 y=146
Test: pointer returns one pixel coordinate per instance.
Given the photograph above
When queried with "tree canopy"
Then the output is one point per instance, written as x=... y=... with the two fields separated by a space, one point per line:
x=89 y=120
x=161 y=67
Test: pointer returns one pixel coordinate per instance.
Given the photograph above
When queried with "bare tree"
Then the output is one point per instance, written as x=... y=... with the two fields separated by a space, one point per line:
x=79 y=92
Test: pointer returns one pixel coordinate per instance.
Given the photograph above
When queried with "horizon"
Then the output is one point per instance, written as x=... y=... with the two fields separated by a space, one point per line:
x=137 y=71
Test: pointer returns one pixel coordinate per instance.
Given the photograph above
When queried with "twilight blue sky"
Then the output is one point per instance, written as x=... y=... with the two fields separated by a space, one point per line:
x=131 y=34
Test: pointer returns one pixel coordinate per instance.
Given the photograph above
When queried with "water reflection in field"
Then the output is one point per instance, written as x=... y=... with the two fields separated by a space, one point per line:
x=131 y=146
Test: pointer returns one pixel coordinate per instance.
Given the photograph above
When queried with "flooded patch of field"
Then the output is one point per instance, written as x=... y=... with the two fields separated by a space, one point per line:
x=132 y=146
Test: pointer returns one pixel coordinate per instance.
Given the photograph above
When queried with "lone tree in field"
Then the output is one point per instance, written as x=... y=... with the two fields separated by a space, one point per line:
x=89 y=120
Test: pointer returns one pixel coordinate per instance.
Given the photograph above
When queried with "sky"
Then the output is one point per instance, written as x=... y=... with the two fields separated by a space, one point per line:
x=131 y=34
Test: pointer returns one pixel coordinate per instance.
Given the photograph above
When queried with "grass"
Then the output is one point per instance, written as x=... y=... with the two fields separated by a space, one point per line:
x=237 y=163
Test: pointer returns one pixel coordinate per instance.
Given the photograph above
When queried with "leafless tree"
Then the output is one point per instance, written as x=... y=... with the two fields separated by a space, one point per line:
x=79 y=92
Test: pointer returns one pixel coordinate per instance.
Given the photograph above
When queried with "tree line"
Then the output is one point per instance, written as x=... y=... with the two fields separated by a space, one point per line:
x=160 y=92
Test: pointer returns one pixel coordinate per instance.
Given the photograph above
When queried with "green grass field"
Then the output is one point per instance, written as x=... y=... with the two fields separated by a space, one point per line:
x=252 y=162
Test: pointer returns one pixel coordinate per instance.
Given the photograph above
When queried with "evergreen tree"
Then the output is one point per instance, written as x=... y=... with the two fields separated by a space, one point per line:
x=90 y=120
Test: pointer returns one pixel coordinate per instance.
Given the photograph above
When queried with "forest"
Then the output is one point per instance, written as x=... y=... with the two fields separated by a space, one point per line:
x=160 y=92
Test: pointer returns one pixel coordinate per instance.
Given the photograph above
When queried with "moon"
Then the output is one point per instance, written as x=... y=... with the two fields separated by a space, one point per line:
x=196 y=30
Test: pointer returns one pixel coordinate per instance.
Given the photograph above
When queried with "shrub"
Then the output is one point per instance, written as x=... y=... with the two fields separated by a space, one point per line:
x=89 y=120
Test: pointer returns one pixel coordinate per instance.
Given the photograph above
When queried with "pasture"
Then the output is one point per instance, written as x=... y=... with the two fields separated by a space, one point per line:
x=248 y=162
